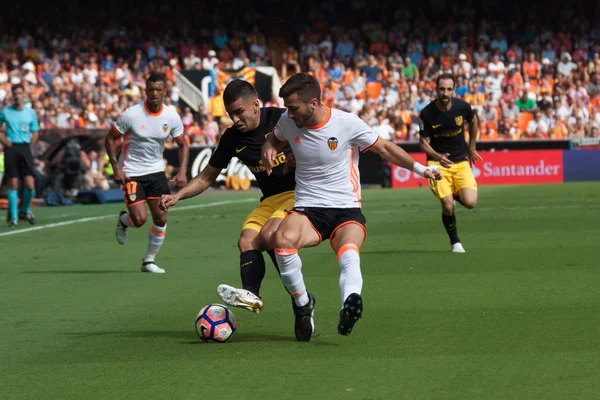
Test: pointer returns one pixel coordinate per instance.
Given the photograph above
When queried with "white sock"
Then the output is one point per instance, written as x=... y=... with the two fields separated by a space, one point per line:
x=126 y=220
x=290 y=268
x=156 y=237
x=351 y=280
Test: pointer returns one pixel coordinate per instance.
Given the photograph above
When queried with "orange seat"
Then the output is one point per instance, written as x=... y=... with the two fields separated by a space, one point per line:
x=373 y=89
x=524 y=119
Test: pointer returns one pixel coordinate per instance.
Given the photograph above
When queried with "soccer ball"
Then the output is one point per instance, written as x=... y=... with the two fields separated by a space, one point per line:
x=215 y=322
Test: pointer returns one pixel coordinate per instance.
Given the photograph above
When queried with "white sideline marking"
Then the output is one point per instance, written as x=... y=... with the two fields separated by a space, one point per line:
x=89 y=219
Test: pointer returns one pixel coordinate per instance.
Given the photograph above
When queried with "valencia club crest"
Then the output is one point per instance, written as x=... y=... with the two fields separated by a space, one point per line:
x=332 y=143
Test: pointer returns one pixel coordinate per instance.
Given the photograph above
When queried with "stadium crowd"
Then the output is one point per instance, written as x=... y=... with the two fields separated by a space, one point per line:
x=526 y=76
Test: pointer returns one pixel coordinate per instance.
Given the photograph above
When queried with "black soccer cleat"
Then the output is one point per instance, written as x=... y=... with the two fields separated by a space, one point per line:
x=13 y=223
x=304 y=325
x=350 y=313
x=27 y=216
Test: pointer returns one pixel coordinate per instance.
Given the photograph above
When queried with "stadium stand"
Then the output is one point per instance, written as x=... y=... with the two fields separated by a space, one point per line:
x=526 y=75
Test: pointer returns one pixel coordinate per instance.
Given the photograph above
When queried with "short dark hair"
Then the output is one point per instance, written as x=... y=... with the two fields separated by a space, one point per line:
x=445 y=76
x=156 y=77
x=238 y=88
x=17 y=86
x=305 y=85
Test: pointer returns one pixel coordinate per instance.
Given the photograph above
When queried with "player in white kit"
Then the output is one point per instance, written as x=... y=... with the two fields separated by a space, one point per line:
x=325 y=144
x=140 y=169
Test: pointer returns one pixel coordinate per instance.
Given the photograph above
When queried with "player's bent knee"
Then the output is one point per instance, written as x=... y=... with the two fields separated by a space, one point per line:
x=286 y=239
x=138 y=220
x=470 y=204
x=267 y=237
x=245 y=244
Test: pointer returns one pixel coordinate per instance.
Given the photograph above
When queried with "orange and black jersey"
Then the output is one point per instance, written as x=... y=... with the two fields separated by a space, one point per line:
x=446 y=128
x=247 y=148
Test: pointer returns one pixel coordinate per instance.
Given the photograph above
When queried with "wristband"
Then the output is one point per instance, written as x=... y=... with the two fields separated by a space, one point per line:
x=419 y=169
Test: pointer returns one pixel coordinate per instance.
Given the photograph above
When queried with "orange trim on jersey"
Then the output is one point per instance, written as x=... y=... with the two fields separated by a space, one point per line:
x=133 y=204
x=322 y=124
x=113 y=128
x=311 y=225
x=354 y=178
x=162 y=107
x=286 y=252
x=341 y=226
x=371 y=146
x=345 y=248
x=156 y=232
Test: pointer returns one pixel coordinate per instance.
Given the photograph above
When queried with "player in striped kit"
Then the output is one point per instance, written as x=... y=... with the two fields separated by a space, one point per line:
x=140 y=169
x=325 y=144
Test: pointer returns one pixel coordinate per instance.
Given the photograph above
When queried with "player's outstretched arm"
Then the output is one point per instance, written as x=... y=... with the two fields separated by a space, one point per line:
x=184 y=156
x=432 y=154
x=111 y=149
x=473 y=132
x=269 y=151
x=396 y=155
x=196 y=186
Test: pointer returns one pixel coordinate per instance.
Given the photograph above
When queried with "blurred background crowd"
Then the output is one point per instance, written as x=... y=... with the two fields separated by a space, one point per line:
x=530 y=70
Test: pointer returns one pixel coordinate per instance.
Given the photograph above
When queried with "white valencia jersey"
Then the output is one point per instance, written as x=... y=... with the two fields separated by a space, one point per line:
x=144 y=138
x=327 y=158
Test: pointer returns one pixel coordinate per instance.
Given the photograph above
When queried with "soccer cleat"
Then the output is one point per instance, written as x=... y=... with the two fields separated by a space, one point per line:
x=121 y=231
x=240 y=298
x=458 y=248
x=304 y=326
x=13 y=223
x=350 y=313
x=27 y=216
x=149 y=266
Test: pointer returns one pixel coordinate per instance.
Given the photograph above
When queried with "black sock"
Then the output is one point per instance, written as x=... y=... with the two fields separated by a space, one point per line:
x=252 y=270
x=450 y=225
x=274 y=259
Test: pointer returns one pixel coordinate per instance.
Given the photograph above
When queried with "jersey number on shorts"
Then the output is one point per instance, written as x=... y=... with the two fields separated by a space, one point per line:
x=130 y=190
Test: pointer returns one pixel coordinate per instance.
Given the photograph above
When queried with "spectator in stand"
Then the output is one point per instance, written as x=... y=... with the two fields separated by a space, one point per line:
x=85 y=76
x=537 y=128
x=525 y=103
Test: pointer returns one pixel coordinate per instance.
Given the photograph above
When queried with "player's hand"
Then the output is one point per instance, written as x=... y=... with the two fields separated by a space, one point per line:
x=119 y=177
x=168 y=200
x=290 y=162
x=474 y=156
x=445 y=160
x=433 y=172
x=180 y=179
x=269 y=154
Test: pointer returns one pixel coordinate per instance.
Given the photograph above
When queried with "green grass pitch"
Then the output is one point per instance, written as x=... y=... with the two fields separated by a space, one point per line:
x=516 y=317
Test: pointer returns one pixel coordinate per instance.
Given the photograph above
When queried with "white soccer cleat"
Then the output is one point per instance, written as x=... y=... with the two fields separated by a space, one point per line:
x=121 y=230
x=149 y=266
x=240 y=298
x=458 y=248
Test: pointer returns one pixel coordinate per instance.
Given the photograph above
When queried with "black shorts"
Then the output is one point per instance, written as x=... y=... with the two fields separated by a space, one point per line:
x=326 y=221
x=18 y=161
x=145 y=187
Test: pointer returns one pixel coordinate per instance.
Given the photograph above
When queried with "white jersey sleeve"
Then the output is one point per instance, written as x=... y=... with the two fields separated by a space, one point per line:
x=279 y=131
x=363 y=136
x=177 y=126
x=123 y=122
